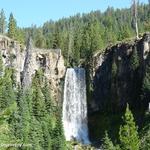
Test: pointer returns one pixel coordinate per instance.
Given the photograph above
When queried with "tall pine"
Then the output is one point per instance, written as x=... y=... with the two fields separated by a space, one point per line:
x=128 y=134
x=3 y=22
x=12 y=27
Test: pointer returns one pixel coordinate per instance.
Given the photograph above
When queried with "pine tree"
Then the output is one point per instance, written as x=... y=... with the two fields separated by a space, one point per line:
x=56 y=38
x=2 y=22
x=47 y=145
x=58 y=136
x=77 y=44
x=135 y=60
x=71 y=44
x=25 y=117
x=128 y=134
x=6 y=136
x=38 y=102
x=47 y=97
x=35 y=135
x=96 y=39
x=7 y=93
x=145 y=142
x=20 y=35
x=108 y=144
x=40 y=39
x=12 y=26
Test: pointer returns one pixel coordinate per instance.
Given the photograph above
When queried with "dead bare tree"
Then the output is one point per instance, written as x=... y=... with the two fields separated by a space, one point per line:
x=134 y=16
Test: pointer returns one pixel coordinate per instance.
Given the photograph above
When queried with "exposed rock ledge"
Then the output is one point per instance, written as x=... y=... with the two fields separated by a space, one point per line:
x=27 y=60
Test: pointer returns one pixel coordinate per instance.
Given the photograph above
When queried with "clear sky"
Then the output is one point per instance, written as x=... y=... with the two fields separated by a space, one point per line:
x=37 y=12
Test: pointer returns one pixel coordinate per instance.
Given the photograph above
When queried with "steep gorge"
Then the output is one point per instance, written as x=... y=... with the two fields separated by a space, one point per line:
x=116 y=76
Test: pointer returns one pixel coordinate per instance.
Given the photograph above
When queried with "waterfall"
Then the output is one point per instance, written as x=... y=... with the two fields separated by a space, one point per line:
x=75 y=106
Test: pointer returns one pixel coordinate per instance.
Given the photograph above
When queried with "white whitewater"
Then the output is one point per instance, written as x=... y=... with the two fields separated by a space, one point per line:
x=75 y=106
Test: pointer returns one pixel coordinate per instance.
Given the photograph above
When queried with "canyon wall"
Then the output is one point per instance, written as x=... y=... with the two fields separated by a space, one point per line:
x=118 y=74
x=27 y=60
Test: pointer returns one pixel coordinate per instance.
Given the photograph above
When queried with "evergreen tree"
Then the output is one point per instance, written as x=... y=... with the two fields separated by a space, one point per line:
x=96 y=39
x=71 y=44
x=47 y=97
x=40 y=39
x=2 y=22
x=38 y=104
x=77 y=44
x=108 y=144
x=6 y=136
x=86 y=52
x=12 y=26
x=135 y=60
x=7 y=93
x=56 y=38
x=35 y=136
x=20 y=35
x=47 y=144
x=128 y=134
x=58 y=136
x=145 y=142
x=25 y=117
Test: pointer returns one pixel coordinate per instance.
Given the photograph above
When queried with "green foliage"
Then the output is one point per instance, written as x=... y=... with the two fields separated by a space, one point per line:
x=12 y=26
x=47 y=97
x=6 y=136
x=145 y=134
x=58 y=136
x=20 y=35
x=40 y=41
x=135 y=60
x=145 y=141
x=3 y=22
x=28 y=116
x=82 y=35
x=129 y=139
x=108 y=144
x=7 y=94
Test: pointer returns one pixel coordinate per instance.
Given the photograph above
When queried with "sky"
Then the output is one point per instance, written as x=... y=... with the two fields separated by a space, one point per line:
x=28 y=12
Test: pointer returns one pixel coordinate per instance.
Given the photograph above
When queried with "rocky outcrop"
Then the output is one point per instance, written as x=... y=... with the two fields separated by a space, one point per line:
x=13 y=55
x=118 y=74
x=26 y=61
x=50 y=61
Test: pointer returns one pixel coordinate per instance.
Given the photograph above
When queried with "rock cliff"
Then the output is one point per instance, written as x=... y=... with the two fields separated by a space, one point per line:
x=118 y=74
x=26 y=60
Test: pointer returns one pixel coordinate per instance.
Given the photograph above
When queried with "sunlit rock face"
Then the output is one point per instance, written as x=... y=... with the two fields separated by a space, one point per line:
x=26 y=60
x=75 y=106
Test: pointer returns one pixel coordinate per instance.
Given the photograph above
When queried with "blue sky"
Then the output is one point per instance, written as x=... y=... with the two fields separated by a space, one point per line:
x=37 y=12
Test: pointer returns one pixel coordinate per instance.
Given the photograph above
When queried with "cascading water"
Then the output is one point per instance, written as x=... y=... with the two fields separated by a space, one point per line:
x=75 y=106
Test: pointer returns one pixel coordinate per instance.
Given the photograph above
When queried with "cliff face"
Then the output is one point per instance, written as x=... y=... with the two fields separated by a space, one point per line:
x=118 y=74
x=26 y=61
